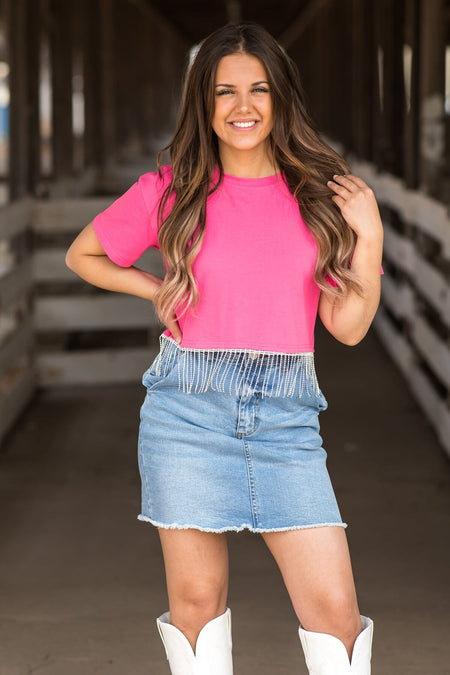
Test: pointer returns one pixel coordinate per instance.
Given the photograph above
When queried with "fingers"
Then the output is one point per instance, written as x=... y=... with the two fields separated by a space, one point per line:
x=347 y=186
x=350 y=181
x=174 y=328
x=340 y=201
x=347 y=181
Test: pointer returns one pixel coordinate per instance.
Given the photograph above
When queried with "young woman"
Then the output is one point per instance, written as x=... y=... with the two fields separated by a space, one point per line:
x=261 y=226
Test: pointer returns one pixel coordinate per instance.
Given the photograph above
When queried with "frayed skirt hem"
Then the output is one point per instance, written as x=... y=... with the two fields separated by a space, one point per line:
x=234 y=528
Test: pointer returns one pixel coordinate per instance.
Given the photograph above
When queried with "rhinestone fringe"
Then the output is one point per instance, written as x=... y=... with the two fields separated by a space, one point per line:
x=223 y=370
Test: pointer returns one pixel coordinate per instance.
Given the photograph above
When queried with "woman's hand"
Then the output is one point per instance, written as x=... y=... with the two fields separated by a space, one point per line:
x=173 y=325
x=348 y=319
x=358 y=205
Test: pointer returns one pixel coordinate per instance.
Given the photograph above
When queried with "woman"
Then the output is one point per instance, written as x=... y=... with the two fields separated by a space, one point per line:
x=260 y=226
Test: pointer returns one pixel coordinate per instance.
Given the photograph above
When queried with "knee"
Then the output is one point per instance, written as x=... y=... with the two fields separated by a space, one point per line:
x=344 y=613
x=336 y=613
x=196 y=603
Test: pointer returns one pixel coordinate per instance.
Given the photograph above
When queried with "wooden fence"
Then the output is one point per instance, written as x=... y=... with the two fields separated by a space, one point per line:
x=413 y=321
x=17 y=376
x=55 y=329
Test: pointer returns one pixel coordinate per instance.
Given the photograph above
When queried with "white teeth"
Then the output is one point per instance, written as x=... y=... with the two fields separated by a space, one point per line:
x=243 y=125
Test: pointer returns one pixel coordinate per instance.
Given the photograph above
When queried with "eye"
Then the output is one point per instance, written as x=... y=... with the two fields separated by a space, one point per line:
x=261 y=90
x=224 y=91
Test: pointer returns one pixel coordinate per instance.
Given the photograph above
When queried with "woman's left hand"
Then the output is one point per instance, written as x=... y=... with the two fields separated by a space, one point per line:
x=357 y=204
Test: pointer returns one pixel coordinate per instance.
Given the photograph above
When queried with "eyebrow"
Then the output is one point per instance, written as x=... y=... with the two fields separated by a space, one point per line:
x=233 y=85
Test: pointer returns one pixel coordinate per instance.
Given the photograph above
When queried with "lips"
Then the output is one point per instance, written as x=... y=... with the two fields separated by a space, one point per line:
x=244 y=124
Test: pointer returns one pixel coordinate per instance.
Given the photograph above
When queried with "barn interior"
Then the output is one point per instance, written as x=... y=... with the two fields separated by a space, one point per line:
x=89 y=93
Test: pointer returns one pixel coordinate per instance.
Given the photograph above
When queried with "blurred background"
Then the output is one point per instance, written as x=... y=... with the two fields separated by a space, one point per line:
x=89 y=92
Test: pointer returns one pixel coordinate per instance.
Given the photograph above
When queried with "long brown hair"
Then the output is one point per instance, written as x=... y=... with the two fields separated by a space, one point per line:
x=306 y=161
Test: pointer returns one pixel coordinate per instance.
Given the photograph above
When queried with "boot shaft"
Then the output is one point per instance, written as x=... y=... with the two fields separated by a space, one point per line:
x=212 y=650
x=326 y=655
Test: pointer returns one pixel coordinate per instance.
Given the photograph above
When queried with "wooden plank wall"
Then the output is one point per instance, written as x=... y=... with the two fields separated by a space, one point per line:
x=414 y=319
x=397 y=138
x=85 y=335
x=17 y=376
x=54 y=328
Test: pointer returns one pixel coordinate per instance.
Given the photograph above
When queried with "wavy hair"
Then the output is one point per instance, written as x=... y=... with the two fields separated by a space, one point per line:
x=305 y=160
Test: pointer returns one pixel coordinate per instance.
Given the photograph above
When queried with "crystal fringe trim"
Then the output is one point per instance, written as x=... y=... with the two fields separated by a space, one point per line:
x=275 y=373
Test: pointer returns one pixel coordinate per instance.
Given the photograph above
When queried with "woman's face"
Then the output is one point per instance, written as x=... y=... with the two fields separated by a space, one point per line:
x=243 y=105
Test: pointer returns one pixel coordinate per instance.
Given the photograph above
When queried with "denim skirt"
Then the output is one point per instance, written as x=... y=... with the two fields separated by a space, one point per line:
x=220 y=460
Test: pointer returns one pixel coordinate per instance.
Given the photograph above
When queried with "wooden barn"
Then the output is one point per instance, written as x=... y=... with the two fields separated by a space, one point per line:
x=89 y=92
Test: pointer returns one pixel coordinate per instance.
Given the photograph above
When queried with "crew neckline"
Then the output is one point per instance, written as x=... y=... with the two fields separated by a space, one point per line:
x=250 y=182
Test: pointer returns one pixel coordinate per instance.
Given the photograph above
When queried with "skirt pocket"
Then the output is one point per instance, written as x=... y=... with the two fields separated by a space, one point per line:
x=163 y=365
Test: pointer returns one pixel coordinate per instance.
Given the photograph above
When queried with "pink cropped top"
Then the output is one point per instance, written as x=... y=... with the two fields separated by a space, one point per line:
x=254 y=270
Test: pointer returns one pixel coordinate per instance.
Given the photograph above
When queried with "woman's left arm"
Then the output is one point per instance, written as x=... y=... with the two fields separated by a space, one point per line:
x=348 y=319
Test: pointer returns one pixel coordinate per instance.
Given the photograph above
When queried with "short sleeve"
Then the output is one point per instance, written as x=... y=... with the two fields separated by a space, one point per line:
x=129 y=226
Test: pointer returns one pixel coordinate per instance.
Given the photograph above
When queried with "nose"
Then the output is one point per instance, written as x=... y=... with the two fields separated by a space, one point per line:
x=243 y=103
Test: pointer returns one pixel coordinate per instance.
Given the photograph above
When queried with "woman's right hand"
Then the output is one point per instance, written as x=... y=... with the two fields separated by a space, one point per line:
x=173 y=326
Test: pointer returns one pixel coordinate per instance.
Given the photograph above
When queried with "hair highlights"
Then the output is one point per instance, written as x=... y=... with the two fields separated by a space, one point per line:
x=306 y=161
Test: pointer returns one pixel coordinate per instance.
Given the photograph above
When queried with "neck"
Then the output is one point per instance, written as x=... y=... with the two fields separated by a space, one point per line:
x=246 y=164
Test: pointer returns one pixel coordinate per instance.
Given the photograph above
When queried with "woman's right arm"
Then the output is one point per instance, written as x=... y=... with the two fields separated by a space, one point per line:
x=87 y=258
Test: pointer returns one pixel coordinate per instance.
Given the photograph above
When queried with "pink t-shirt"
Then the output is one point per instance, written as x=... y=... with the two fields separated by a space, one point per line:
x=254 y=270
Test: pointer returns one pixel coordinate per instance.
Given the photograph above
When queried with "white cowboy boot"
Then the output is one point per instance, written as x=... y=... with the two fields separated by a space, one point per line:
x=326 y=654
x=212 y=652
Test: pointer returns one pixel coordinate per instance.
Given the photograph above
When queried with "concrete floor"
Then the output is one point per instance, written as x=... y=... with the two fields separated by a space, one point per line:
x=82 y=580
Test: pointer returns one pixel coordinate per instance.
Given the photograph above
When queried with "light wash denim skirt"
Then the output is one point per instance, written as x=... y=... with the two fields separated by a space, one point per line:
x=219 y=460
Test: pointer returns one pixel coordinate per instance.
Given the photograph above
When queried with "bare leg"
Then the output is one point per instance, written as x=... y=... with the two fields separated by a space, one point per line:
x=316 y=568
x=196 y=565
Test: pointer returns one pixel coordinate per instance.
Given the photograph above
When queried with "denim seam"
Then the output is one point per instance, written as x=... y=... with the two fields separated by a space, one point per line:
x=251 y=483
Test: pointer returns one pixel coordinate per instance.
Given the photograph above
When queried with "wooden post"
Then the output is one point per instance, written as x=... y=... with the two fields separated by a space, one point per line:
x=432 y=87
x=389 y=99
x=107 y=109
x=362 y=78
x=91 y=36
x=33 y=34
x=126 y=63
x=412 y=101
x=61 y=59
x=18 y=139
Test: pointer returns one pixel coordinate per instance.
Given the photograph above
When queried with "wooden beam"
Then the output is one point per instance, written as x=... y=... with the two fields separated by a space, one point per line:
x=302 y=22
x=49 y=265
x=94 y=367
x=67 y=215
x=163 y=22
x=106 y=311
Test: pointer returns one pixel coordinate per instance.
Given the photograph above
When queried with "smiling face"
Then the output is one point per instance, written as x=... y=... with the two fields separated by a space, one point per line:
x=243 y=107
